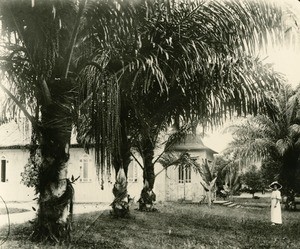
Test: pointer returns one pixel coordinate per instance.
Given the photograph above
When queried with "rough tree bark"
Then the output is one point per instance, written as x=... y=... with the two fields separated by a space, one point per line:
x=147 y=197
x=120 y=205
x=55 y=190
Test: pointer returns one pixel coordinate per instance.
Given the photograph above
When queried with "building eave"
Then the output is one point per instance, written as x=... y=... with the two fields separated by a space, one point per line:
x=27 y=147
x=196 y=149
x=15 y=147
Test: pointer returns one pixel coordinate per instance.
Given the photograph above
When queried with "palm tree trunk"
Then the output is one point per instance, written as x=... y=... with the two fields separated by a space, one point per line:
x=148 y=173
x=55 y=190
x=289 y=170
x=120 y=205
x=148 y=197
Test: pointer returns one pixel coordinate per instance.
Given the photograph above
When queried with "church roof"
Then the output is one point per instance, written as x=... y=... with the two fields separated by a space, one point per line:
x=16 y=134
x=191 y=143
x=13 y=134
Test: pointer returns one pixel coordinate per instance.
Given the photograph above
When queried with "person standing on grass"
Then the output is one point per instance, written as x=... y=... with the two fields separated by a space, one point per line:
x=275 y=203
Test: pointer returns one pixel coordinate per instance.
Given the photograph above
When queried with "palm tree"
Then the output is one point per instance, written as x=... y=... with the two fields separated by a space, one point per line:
x=274 y=137
x=228 y=170
x=40 y=42
x=200 y=69
x=47 y=70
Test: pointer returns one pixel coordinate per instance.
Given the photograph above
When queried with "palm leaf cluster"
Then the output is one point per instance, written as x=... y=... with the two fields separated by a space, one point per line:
x=208 y=176
x=228 y=174
x=203 y=69
x=271 y=134
x=185 y=160
x=274 y=138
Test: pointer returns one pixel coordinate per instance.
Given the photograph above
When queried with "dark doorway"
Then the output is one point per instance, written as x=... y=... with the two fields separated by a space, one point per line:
x=3 y=170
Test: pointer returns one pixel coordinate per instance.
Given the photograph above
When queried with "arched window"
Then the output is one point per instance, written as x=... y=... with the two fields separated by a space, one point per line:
x=184 y=173
x=85 y=168
x=3 y=169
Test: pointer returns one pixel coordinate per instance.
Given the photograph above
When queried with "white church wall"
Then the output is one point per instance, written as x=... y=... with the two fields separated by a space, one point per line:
x=11 y=188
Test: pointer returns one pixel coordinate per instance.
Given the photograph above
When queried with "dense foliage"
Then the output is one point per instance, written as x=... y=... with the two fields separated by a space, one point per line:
x=228 y=175
x=253 y=181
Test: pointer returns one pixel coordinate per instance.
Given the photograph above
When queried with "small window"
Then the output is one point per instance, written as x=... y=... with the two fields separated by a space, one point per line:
x=85 y=165
x=3 y=169
x=188 y=174
x=181 y=174
x=132 y=172
x=185 y=174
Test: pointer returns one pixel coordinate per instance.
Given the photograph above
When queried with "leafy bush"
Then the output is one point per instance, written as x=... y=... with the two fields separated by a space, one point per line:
x=31 y=171
x=253 y=180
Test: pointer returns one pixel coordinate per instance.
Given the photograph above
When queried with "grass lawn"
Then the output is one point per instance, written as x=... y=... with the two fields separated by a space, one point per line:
x=262 y=202
x=177 y=226
x=13 y=210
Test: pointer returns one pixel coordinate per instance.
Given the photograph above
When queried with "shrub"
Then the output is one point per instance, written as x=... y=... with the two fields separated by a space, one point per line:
x=31 y=171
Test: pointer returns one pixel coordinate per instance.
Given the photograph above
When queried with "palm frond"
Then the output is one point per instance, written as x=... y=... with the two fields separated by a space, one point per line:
x=270 y=137
x=206 y=172
x=284 y=144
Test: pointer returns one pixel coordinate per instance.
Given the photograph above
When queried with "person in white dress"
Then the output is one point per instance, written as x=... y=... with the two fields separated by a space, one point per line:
x=276 y=217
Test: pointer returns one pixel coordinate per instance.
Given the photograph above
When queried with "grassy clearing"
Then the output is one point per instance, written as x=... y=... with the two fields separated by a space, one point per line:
x=178 y=226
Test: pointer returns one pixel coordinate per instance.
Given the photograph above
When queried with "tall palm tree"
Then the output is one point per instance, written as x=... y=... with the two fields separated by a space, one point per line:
x=40 y=40
x=274 y=137
x=46 y=71
x=202 y=67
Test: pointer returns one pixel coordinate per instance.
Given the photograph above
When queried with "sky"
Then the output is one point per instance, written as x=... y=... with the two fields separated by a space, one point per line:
x=287 y=59
x=284 y=59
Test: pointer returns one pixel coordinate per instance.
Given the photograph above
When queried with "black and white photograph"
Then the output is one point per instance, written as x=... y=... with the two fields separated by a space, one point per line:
x=150 y=124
